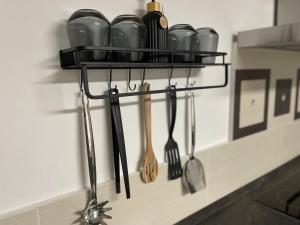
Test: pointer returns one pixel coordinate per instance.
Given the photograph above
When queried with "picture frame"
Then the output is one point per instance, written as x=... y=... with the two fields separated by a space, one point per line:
x=297 y=105
x=253 y=78
x=283 y=97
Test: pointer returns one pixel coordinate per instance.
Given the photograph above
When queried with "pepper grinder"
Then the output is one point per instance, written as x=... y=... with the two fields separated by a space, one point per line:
x=157 y=32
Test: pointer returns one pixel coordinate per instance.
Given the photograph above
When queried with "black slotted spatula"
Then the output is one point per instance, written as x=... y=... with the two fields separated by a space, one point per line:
x=171 y=148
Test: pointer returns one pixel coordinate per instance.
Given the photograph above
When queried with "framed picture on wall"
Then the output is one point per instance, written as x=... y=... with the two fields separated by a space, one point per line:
x=250 y=102
x=297 y=108
x=283 y=97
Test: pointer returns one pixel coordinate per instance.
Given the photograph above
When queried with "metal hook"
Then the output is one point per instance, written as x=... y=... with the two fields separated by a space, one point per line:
x=170 y=77
x=189 y=84
x=143 y=80
x=110 y=80
x=144 y=75
x=81 y=83
x=129 y=81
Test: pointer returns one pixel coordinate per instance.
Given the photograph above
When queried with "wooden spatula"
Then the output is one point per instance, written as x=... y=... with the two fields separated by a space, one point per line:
x=150 y=165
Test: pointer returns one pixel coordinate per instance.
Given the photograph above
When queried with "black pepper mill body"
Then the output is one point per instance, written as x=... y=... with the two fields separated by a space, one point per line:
x=157 y=32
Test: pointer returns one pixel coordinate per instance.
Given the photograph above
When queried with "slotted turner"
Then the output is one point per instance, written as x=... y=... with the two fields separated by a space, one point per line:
x=171 y=148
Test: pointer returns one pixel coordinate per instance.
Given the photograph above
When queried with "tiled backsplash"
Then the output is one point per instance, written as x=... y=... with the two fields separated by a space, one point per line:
x=30 y=217
x=227 y=167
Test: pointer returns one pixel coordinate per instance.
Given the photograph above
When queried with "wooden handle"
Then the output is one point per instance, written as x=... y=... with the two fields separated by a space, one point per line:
x=147 y=110
x=150 y=165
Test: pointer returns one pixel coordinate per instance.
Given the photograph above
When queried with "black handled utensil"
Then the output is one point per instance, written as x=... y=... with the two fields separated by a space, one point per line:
x=118 y=143
x=171 y=148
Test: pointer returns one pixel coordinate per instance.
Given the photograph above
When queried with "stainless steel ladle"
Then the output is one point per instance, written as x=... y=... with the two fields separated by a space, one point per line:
x=94 y=213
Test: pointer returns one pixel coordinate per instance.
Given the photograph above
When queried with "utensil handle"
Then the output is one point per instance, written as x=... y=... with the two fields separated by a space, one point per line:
x=147 y=109
x=193 y=123
x=120 y=143
x=90 y=145
x=173 y=101
x=115 y=149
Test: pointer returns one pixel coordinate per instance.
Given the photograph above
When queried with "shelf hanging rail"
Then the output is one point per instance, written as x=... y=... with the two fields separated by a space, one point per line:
x=76 y=58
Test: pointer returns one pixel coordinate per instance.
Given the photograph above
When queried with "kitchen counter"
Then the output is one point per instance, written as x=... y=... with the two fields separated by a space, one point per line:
x=270 y=200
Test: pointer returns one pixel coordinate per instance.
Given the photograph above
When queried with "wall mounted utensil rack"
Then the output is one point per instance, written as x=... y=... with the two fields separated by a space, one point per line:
x=77 y=58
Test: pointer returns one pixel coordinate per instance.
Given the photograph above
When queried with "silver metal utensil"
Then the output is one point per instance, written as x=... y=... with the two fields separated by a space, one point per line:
x=194 y=171
x=94 y=213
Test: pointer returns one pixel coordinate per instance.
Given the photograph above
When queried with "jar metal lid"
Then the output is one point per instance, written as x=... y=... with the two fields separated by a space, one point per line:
x=182 y=27
x=87 y=13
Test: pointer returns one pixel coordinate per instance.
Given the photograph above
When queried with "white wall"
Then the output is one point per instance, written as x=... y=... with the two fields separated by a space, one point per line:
x=42 y=149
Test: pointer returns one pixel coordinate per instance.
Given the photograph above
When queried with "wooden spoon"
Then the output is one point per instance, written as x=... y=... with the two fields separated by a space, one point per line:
x=150 y=165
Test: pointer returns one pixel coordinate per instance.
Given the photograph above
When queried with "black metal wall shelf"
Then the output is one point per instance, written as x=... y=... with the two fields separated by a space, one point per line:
x=75 y=58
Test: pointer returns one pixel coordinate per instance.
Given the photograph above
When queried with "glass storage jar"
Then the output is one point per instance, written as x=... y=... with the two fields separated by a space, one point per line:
x=180 y=38
x=88 y=27
x=128 y=31
x=205 y=39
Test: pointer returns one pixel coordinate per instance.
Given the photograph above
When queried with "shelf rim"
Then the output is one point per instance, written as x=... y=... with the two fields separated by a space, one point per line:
x=117 y=49
x=130 y=65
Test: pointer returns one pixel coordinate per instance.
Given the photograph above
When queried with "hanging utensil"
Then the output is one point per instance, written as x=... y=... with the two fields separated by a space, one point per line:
x=193 y=170
x=171 y=148
x=118 y=142
x=94 y=213
x=150 y=165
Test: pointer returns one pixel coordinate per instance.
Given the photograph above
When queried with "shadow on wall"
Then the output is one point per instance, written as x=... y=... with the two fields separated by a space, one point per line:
x=56 y=79
x=231 y=84
x=96 y=77
x=59 y=33
x=140 y=12
x=82 y=160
